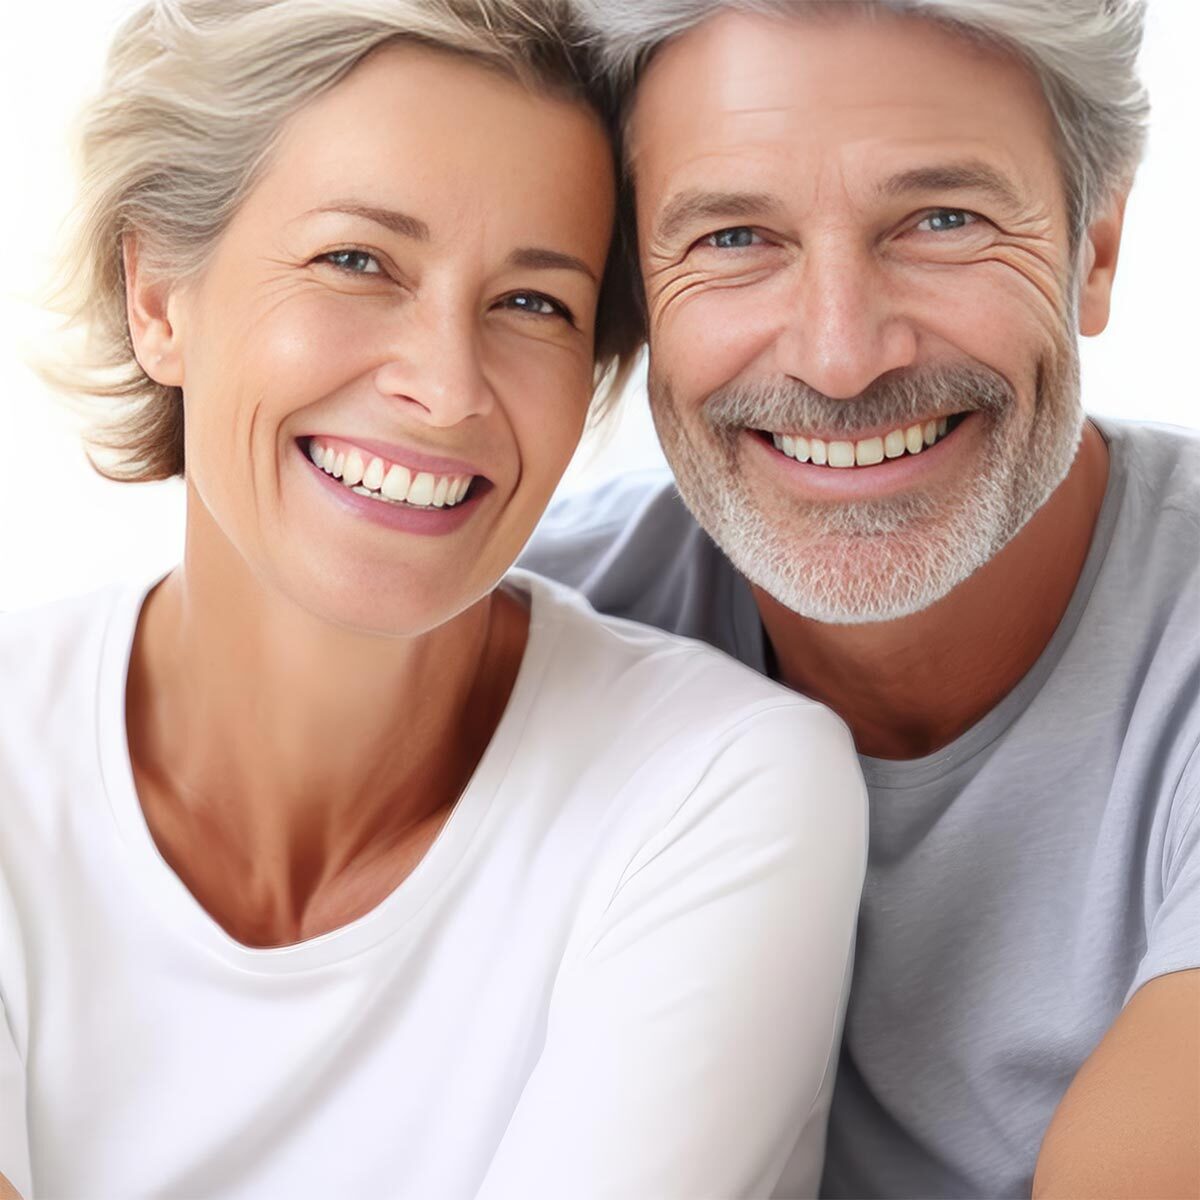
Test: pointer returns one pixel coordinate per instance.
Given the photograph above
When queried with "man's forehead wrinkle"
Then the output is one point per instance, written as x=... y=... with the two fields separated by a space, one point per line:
x=767 y=79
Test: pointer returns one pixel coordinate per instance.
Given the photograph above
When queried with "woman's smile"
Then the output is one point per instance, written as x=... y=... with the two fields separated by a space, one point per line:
x=395 y=490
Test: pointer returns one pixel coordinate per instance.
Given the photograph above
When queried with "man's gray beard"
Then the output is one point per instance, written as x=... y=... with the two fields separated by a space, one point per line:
x=873 y=560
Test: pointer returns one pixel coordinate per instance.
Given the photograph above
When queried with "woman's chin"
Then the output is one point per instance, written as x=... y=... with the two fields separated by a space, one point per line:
x=401 y=605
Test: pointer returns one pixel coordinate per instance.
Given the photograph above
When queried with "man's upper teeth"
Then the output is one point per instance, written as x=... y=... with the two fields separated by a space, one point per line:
x=370 y=476
x=867 y=451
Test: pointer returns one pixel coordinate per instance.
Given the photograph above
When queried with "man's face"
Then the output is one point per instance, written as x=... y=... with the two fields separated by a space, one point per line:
x=860 y=288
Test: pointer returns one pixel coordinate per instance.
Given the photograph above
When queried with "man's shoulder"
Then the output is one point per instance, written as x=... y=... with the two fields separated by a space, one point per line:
x=611 y=502
x=634 y=550
x=1161 y=465
x=623 y=519
x=1153 y=558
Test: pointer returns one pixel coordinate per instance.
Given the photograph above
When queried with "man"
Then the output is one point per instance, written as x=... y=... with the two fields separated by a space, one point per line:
x=869 y=236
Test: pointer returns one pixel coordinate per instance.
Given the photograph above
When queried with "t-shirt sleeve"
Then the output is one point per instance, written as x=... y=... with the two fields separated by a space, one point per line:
x=1173 y=942
x=691 y=1043
x=14 y=1136
x=14 y=1141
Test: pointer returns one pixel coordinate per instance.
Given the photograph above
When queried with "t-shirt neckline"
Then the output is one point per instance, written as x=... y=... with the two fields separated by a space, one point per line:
x=174 y=903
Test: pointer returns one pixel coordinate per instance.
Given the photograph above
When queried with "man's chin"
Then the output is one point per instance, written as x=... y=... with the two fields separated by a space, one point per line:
x=839 y=580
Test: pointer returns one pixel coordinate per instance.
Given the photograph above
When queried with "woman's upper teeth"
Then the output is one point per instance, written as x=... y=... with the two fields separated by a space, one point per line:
x=372 y=476
x=863 y=453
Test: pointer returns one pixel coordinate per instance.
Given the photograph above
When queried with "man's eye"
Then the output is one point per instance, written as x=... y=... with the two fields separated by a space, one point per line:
x=736 y=238
x=945 y=219
x=538 y=305
x=354 y=262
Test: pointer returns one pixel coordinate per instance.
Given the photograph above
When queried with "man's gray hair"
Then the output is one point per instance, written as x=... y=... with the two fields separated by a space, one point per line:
x=1084 y=53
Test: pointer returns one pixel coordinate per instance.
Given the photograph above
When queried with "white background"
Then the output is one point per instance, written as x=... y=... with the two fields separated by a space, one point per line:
x=64 y=529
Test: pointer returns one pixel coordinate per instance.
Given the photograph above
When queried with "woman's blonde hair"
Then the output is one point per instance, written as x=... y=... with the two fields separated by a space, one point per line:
x=194 y=96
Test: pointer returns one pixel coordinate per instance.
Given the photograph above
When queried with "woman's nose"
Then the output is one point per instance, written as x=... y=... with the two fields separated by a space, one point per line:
x=436 y=370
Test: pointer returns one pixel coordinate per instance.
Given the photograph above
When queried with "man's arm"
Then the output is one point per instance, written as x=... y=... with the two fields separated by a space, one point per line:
x=7 y=1191
x=1129 y=1125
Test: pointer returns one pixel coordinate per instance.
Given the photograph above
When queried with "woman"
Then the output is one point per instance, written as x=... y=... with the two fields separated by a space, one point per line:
x=338 y=862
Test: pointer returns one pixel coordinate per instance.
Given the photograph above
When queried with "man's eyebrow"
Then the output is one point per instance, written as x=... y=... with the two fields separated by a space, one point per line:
x=971 y=175
x=389 y=218
x=537 y=258
x=697 y=204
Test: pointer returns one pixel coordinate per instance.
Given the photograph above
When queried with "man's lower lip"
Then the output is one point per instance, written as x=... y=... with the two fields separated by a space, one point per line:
x=850 y=483
x=403 y=517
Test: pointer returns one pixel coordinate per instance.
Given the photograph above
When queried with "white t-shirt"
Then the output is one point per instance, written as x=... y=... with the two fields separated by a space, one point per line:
x=618 y=972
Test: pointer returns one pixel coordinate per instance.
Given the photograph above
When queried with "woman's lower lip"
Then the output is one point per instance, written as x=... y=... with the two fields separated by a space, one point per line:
x=860 y=483
x=430 y=521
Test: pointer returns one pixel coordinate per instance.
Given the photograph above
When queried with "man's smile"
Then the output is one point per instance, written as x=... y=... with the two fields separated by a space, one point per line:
x=828 y=470
x=866 y=450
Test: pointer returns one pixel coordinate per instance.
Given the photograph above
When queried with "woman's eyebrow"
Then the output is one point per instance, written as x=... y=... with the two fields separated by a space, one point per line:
x=537 y=258
x=390 y=218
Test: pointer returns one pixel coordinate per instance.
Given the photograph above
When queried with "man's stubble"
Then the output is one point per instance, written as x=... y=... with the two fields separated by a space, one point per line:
x=880 y=559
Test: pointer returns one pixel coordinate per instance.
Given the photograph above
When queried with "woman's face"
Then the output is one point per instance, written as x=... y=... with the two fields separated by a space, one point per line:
x=406 y=297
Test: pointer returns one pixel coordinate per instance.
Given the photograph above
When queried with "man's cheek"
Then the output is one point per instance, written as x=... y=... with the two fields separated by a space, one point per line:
x=713 y=336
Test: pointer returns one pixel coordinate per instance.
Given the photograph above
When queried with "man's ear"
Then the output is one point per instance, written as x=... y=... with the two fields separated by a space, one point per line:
x=152 y=327
x=1101 y=247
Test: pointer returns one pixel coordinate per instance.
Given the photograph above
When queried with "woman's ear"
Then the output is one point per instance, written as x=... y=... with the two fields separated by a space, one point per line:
x=152 y=327
x=1101 y=246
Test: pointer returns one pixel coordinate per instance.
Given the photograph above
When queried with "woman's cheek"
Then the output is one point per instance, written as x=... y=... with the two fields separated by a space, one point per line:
x=317 y=348
x=545 y=390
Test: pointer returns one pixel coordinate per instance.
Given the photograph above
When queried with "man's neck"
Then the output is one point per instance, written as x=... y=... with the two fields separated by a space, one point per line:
x=909 y=687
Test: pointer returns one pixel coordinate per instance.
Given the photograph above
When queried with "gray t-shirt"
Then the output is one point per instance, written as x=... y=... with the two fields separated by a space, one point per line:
x=1025 y=880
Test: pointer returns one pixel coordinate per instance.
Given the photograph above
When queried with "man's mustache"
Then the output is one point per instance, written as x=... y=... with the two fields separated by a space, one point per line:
x=895 y=400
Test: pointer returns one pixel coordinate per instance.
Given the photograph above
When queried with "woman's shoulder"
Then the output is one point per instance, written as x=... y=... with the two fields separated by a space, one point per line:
x=655 y=670
x=41 y=644
x=670 y=752
x=53 y=658
x=662 y=728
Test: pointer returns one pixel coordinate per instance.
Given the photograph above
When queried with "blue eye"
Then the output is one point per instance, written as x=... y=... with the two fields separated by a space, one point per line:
x=353 y=262
x=737 y=238
x=539 y=305
x=945 y=219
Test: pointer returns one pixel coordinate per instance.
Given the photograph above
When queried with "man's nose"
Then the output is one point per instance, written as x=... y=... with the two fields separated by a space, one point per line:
x=435 y=369
x=845 y=327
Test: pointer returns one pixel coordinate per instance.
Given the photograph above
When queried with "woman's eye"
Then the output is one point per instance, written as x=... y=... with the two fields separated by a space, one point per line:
x=736 y=238
x=355 y=262
x=946 y=219
x=538 y=305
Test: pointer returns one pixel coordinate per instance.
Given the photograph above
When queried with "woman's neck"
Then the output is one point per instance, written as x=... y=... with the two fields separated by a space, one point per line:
x=293 y=772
